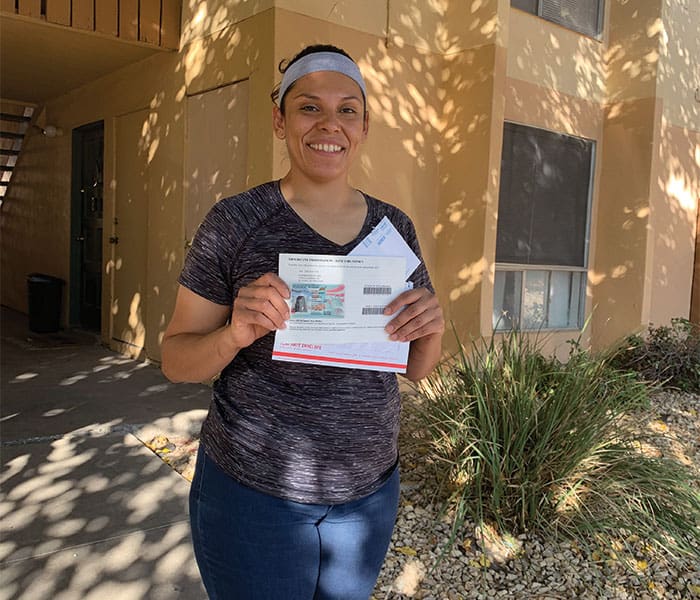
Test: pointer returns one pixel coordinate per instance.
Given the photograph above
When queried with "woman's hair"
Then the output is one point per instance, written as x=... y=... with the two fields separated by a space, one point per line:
x=285 y=64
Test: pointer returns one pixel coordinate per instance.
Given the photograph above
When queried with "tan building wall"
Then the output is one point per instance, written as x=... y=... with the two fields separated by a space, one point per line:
x=620 y=264
x=143 y=109
x=442 y=78
x=35 y=221
x=675 y=189
x=676 y=167
x=553 y=57
x=643 y=269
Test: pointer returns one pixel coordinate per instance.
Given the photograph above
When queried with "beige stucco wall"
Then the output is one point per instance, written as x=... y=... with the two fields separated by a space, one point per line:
x=650 y=177
x=34 y=221
x=151 y=84
x=553 y=57
x=622 y=272
x=239 y=51
x=40 y=208
x=633 y=49
x=466 y=217
x=674 y=193
x=678 y=78
x=675 y=178
x=447 y=26
x=442 y=77
x=631 y=91
x=438 y=26
x=202 y=18
x=620 y=267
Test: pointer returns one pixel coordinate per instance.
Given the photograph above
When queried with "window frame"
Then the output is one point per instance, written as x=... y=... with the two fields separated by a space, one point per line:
x=548 y=269
x=598 y=36
x=522 y=268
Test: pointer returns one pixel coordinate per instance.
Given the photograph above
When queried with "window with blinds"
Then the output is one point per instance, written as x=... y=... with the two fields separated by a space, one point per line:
x=542 y=234
x=543 y=201
x=584 y=16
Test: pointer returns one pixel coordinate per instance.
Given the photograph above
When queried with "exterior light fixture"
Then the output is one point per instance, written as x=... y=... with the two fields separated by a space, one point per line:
x=50 y=131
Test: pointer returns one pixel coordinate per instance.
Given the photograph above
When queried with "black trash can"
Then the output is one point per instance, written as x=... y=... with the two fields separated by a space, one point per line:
x=44 y=293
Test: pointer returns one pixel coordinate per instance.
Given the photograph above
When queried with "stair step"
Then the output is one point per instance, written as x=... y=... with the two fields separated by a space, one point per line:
x=9 y=135
x=4 y=183
x=6 y=169
x=14 y=118
x=5 y=152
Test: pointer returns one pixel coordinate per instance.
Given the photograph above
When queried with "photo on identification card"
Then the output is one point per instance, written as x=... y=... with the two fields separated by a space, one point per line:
x=314 y=300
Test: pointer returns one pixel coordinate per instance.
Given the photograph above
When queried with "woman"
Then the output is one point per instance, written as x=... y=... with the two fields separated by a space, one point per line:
x=296 y=486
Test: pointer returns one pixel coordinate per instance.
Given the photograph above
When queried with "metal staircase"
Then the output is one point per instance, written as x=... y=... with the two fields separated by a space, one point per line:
x=15 y=120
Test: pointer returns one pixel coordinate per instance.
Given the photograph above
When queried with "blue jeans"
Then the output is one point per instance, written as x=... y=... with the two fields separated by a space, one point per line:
x=250 y=545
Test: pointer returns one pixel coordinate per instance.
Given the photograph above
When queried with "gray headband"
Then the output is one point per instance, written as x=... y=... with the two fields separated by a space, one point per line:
x=321 y=61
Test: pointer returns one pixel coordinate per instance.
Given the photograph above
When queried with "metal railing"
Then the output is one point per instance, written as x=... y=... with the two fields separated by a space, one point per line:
x=15 y=120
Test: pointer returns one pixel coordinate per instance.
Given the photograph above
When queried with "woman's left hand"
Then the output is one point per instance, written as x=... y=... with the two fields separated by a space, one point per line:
x=421 y=316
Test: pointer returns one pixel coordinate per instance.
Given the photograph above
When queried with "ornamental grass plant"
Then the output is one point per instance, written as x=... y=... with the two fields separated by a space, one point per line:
x=523 y=442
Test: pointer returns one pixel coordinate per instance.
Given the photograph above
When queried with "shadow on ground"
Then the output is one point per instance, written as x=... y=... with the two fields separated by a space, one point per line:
x=87 y=511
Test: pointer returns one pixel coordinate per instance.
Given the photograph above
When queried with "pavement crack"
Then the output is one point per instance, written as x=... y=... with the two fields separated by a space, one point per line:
x=93 y=431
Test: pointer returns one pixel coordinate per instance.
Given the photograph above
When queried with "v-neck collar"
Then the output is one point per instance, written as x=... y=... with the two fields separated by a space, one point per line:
x=364 y=230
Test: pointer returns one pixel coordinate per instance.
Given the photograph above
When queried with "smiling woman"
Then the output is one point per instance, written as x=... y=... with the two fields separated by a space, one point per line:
x=296 y=486
x=324 y=124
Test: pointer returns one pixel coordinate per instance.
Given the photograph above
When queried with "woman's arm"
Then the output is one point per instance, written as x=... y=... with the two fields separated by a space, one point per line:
x=423 y=356
x=200 y=340
x=196 y=345
x=420 y=322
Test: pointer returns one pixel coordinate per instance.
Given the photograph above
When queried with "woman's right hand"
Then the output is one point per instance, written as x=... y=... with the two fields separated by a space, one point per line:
x=203 y=337
x=259 y=307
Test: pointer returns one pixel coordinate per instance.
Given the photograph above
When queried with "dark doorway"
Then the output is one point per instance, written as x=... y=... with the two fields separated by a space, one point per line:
x=86 y=226
x=695 y=293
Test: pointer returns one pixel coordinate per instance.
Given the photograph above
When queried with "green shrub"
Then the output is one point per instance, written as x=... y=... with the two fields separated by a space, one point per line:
x=667 y=355
x=527 y=443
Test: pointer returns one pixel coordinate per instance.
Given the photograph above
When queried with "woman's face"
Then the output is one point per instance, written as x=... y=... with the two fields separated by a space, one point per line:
x=324 y=124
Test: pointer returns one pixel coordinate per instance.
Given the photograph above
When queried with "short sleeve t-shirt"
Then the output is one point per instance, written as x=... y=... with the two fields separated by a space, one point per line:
x=307 y=433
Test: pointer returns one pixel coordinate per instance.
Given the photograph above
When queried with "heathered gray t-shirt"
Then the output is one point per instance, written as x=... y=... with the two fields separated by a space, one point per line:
x=308 y=433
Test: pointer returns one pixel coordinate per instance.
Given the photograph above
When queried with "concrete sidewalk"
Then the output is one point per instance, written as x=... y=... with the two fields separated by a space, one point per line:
x=87 y=511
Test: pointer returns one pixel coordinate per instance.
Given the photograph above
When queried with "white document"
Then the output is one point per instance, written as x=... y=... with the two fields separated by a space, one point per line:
x=383 y=240
x=339 y=298
x=377 y=356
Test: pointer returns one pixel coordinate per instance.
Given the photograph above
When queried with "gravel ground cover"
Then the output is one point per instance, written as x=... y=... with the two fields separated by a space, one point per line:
x=482 y=565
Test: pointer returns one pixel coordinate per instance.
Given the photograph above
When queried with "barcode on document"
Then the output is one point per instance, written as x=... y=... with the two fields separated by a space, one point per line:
x=377 y=290
x=373 y=310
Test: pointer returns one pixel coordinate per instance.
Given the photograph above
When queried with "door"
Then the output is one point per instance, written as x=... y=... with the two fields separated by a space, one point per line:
x=130 y=242
x=86 y=227
x=695 y=294
x=216 y=150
